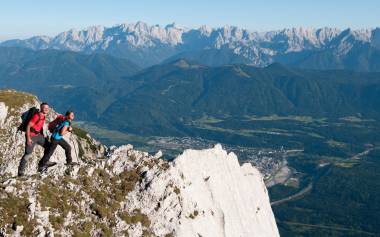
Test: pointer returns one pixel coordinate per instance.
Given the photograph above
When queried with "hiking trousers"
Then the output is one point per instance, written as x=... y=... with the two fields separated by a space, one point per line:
x=53 y=145
x=39 y=140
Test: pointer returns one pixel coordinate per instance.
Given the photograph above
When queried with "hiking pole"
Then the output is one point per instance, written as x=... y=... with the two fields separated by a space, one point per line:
x=72 y=141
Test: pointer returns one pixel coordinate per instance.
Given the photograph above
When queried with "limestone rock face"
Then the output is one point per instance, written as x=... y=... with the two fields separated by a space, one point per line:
x=206 y=193
x=224 y=194
x=119 y=191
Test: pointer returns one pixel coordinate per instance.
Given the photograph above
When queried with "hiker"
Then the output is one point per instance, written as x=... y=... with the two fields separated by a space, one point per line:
x=61 y=128
x=33 y=127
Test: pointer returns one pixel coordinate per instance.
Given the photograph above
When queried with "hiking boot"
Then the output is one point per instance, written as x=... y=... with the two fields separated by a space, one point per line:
x=50 y=164
x=44 y=167
x=41 y=169
x=72 y=163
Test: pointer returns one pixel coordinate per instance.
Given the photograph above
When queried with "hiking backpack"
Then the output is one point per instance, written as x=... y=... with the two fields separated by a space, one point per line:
x=53 y=125
x=26 y=117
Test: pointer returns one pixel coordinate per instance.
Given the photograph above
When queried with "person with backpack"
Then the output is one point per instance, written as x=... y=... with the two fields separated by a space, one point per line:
x=62 y=126
x=32 y=124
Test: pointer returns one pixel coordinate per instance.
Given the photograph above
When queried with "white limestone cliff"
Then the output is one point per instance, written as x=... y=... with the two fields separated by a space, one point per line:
x=128 y=192
x=205 y=193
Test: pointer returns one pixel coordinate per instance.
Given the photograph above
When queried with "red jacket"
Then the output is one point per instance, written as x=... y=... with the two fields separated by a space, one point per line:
x=39 y=121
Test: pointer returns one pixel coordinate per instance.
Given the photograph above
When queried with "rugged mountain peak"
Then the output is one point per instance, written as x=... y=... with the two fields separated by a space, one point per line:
x=204 y=30
x=139 y=41
x=174 y=25
x=125 y=192
x=145 y=34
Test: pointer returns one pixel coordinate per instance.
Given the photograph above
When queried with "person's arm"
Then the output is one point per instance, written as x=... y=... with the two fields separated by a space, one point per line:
x=28 y=127
x=64 y=130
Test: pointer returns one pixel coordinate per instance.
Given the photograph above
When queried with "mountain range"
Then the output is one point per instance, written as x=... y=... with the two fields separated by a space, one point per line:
x=70 y=80
x=147 y=45
x=164 y=99
x=310 y=90
x=173 y=95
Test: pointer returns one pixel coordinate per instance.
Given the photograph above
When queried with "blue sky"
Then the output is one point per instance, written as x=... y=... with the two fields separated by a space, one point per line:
x=25 y=18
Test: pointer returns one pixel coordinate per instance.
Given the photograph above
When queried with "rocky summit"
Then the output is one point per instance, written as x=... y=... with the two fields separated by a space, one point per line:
x=119 y=191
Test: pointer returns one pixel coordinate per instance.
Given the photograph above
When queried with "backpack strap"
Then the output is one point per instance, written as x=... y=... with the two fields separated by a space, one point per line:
x=38 y=120
x=59 y=127
x=63 y=126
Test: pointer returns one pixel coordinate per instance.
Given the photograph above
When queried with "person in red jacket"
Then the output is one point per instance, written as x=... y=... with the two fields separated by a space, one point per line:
x=34 y=135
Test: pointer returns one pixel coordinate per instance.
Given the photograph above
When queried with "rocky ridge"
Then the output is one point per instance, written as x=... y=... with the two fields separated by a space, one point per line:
x=119 y=191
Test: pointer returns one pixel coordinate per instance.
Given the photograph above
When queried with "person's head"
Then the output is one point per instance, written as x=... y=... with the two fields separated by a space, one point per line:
x=44 y=108
x=69 y=115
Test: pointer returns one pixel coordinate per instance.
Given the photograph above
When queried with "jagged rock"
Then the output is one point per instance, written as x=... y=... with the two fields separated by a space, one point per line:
x=130 y=193
x=259 y=48
x=3 y=113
